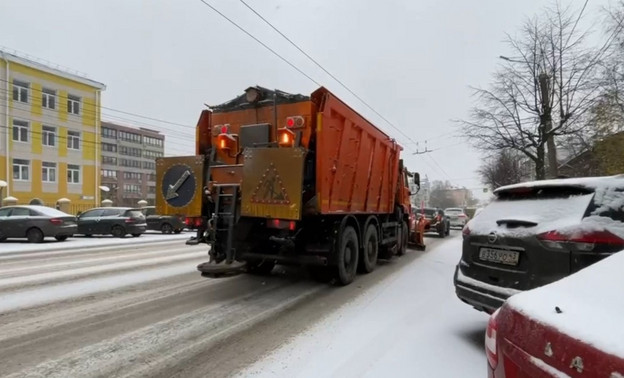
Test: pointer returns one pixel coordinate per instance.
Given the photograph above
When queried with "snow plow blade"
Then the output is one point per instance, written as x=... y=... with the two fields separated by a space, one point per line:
x=212 y=269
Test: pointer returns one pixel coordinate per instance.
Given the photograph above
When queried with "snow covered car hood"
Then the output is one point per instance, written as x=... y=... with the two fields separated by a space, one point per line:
x=591 y=304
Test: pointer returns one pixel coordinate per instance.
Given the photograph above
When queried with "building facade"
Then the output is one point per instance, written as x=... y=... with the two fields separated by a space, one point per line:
x=49 y=133
x=129 y=163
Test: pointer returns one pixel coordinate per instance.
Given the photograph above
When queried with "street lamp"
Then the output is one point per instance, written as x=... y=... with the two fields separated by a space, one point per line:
x=3 y=184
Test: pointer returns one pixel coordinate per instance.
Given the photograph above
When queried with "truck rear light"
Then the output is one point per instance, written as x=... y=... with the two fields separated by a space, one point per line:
x=296 y=122
x=584 y=241
x=221 y=129
x=281 y=224
x=226 y=142
x=198 y=222
x=56 y=221
x=285 y=138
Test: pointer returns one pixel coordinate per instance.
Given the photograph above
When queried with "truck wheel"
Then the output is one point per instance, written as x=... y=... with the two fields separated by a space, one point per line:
x=260 y=267
x=370 y=250
x=348 y=253
x=403 y=236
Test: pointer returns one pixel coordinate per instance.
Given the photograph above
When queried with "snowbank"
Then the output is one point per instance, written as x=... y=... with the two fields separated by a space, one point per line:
x=20 y=245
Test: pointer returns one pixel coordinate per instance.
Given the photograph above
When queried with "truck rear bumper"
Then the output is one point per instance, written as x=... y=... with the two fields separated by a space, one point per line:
x=289 y=259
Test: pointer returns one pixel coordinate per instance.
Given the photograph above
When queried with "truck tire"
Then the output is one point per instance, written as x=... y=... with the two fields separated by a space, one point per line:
x=370 y=250
x=348 y=253
x=402 y=239
x=260 y=267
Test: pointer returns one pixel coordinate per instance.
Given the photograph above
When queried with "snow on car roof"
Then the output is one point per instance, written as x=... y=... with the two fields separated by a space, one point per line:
x=586 y=182
x=590 y=301
x=49 y=211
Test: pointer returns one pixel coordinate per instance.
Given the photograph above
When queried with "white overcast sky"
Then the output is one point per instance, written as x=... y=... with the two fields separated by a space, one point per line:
x=411 y=60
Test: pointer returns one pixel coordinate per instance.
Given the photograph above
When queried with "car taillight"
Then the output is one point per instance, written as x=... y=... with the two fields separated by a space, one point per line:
x=56 y=221
x=131 y=220
x=461 y=216
x=585 y=241
x=490 y=340
x=466 y=231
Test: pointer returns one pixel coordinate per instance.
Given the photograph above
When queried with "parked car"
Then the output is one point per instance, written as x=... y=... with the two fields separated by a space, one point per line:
x=116 y=221
x=457 y=217
x=35 y=223
x=164 y=223
x=571 y=328
x=536 y=233
x=436 y=221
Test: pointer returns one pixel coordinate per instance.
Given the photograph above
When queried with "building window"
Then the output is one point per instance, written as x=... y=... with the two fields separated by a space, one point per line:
x=73 y=174
x=73 y=140
x=109 y=147
x=130 y=151
x=130 y=163
x=48 y=171
x=151 y=176
x=149 y=165
x=73 y=104
x=132 y=176
x=21 y=169
x=153 y=141
x=152 y=154
x=48 y=136
x=48 y=98
x=151 y=189
x=132 y=188
x=109 y=173
x=129 y=137
x=109 y=160
x=20 y=91
x=20 y=131
x=109 y=133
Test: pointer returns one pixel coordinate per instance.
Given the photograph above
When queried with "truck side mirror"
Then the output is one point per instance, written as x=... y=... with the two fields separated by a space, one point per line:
x=417 y=179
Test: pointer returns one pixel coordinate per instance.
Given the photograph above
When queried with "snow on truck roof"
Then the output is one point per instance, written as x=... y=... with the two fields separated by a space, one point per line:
x=590 y=301
x=584 y=182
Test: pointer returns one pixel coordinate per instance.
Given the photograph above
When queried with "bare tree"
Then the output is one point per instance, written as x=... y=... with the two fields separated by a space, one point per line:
x=543 y=92
x=504 y=168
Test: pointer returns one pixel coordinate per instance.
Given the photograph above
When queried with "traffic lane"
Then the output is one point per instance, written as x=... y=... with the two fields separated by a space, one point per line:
x=244 y=348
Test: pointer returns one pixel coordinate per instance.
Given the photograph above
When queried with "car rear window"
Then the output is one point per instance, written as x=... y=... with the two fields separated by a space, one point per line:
x=133 y=214
x=430 y=211
x=548 y=208
x=608 y=202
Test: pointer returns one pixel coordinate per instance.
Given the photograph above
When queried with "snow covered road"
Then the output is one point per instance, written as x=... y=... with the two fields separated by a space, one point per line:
x=143 y=310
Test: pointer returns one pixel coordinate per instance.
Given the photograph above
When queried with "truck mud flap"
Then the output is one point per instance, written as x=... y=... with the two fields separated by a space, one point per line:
x=212 y=269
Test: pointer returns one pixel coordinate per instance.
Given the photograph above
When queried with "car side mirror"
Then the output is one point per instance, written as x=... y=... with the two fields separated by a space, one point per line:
x=417 y=179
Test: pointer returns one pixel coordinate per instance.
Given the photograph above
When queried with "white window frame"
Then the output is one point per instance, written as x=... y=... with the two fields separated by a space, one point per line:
x=48 y=135
x=73 y=104
x=72 y=140
x=21 y=127
x=48 y=96
x=21 y=91
x=48 y=169
x=24 y=166
x=73 y=174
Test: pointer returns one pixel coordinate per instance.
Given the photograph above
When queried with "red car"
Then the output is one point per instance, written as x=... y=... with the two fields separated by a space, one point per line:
x=570 y=328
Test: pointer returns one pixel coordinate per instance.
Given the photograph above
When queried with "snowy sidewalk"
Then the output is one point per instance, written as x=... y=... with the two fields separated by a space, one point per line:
x=78 y=242
x=410 y=325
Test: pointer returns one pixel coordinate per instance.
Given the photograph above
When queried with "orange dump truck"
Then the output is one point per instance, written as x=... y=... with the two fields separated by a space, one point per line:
x=292 y=179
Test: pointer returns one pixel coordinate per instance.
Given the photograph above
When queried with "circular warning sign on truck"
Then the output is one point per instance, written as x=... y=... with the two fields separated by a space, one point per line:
x=179 y=185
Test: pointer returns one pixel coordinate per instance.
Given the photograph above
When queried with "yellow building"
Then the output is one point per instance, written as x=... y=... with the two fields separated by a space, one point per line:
x=49 y=133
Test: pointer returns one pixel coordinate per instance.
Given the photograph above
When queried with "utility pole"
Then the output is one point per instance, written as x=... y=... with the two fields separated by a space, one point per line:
x=546 y=120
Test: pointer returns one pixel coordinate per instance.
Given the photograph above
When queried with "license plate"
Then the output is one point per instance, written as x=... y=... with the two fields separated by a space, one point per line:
x=499 y=256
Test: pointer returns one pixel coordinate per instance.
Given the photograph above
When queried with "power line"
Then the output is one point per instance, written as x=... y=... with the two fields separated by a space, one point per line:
x=324 y=70
x=262 y=43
